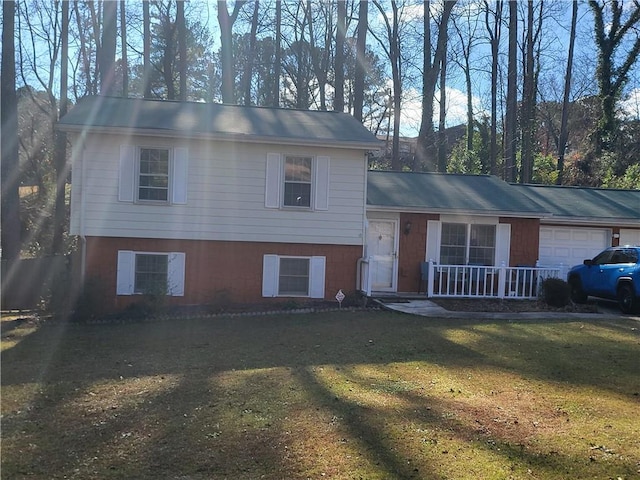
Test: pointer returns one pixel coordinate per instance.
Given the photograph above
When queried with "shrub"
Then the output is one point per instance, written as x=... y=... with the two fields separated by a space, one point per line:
x=556 y=292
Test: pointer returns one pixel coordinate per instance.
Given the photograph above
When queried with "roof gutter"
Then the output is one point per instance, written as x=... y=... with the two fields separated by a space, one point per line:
x=450 y=211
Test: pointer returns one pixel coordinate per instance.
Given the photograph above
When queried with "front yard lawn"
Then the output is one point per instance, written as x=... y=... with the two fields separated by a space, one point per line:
x=343 y=395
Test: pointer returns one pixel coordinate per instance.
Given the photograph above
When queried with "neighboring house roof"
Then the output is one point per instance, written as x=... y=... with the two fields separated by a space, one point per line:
x=447 y=193
x=217 y=121
x=586 y=204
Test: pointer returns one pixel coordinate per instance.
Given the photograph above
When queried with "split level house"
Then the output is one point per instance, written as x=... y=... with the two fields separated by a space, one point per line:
x=197 y=200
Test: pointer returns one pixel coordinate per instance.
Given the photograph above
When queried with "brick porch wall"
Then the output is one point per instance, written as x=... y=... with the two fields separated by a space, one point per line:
x=212 y=267
x=525 y=240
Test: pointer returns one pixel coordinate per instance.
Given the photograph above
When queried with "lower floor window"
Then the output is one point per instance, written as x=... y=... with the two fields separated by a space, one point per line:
x=472 y=244
x=289 y=276
x=151 y=273
x=293 y=276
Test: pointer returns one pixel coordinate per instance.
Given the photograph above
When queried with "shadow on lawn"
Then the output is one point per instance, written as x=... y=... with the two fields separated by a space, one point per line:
x=162 y=430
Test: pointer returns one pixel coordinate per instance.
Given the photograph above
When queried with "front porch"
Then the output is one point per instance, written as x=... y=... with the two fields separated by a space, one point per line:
x=462 y=281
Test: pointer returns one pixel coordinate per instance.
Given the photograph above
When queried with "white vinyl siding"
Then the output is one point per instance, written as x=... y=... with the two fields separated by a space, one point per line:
x=285 y=276
x=143 y=272
x=225 y=195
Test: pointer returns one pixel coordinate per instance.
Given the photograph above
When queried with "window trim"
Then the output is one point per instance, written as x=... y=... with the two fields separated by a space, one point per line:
x=126 y=272
x=271 y=276
x=311 y=182
x=138 y=174
x=275 y=182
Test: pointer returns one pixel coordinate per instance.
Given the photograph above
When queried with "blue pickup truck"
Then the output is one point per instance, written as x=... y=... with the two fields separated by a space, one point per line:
x=613 y=274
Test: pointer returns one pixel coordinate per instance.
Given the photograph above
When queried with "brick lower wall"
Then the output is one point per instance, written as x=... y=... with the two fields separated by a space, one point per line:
x=525 y=241
x=214 y=268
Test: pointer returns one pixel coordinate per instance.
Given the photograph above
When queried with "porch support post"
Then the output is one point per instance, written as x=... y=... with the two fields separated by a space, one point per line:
x=430 y=277
x=502 y=280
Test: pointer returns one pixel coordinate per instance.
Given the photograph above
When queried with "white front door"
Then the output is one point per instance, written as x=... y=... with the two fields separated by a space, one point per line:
x=382 y=252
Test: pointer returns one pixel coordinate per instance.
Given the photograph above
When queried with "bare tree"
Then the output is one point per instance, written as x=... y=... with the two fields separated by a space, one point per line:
x=510 y=130
x=124 y=56
x=226 y=21
x=60 y=154
x=564 y=131
x=182 y=48
x=246 y=77
x=341 y=27
x=361 y=43
x=10 y=233
x=146 y=49
x=426 y=150
x=107 y=51
x=493 y=23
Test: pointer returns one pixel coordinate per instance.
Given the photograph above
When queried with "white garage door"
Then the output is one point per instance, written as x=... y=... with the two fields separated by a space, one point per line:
x=629 y=236
x=569 y=246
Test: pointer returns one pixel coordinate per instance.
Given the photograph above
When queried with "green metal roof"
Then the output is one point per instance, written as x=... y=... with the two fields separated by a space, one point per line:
x=448 y=193
x=223 y=122
x=488 y=195
x=578 y=203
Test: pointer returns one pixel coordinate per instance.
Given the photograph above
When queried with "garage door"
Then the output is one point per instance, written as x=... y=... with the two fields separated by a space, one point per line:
x=629 y=236
x=569 y=246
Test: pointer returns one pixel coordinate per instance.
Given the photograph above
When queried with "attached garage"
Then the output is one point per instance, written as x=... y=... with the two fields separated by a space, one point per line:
x=569 y=246
x=629 y=236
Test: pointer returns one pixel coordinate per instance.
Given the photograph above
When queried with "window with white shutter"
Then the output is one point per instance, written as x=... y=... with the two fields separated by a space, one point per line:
x=150 y=273
x=288 y=276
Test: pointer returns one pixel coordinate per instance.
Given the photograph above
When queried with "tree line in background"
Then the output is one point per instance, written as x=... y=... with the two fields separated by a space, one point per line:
x=538 y=109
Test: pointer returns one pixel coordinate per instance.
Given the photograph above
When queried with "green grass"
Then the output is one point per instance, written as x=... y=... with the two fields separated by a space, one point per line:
x=344 y=395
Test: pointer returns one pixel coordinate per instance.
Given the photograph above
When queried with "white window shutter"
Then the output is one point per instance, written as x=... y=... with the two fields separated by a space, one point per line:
x=322 y=183
x=127 y=174
x=273 y=181
x=434 y=235
x=270 y=276
x=125 y=272
x=317 y=269
x=503 y=244
x=180 y=175
x=175 y=274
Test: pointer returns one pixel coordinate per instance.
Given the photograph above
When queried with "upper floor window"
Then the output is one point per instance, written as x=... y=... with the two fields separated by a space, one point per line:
x=153 y=174
x=297 y=182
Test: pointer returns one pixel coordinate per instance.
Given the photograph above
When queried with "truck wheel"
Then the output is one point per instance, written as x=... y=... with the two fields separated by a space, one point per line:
x=577 y=294
x=627 y=301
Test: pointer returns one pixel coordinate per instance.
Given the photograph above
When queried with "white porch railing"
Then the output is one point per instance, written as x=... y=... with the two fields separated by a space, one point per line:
x=471 y=281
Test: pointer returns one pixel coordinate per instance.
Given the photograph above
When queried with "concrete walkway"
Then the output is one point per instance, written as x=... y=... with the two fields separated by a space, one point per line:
x=427 y=308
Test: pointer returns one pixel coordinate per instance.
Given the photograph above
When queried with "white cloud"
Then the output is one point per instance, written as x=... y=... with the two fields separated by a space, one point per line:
x=631 y=105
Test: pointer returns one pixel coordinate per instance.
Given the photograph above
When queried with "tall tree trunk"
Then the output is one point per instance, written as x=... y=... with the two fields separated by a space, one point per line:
x=338 y=102
x=226 y=21
x=361 y=60
x=10 y=207
x=277 y=61
x=248 y=69
x=146 y=49
x=123 y=39
x=442 y=128
x=182 y=48
x=426 y=148
x=528 y=101
x=564 y=131
x=107 y=52
x=494 y=29
x=60 y=158
x=512 y=97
